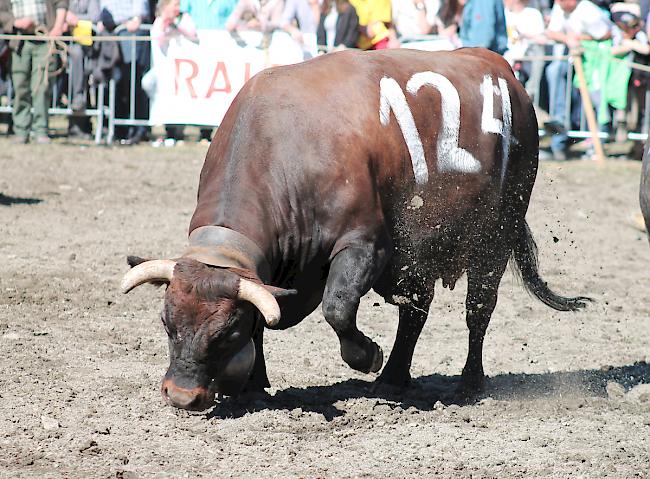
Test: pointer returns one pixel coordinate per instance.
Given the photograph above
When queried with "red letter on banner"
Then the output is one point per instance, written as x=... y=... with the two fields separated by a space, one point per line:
x=188 y=80
x=221 y=68
x=247 y=72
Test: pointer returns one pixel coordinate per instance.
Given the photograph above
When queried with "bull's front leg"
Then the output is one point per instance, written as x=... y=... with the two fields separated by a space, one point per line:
x=396 y=376
x=352 y=273
x=258 y=379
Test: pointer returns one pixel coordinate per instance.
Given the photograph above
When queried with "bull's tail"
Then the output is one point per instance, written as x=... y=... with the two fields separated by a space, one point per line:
x=525 y=255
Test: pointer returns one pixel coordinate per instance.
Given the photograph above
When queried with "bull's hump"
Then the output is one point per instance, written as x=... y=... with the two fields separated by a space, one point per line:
x=224 y=247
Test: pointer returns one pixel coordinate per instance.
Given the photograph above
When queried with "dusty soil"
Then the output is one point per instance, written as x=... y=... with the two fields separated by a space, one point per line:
x=81 y=364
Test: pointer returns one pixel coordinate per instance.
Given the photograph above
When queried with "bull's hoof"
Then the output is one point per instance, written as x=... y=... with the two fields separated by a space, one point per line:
x=470 y=390
x=360 y=359
x=253 y=388
x=245 y=397
x=378 y=362
x=390 y=385
x=385 y=390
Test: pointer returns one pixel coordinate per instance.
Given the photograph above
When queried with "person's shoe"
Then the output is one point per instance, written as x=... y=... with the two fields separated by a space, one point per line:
x=590 y=154
x=76 y=133
x=43 y=139
x=554 y=127
x=20 y=140
x=78 y=105
x=552 y=155
x=206 y=134
x=121 y=133
x=139 y=135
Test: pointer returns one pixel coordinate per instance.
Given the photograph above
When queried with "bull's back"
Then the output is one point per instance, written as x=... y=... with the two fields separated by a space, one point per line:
x=370 y=136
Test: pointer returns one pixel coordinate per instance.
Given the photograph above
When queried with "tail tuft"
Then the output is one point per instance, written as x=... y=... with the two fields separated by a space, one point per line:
x=525 y=256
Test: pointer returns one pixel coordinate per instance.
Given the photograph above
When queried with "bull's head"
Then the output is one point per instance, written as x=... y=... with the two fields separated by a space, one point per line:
x=209 y=316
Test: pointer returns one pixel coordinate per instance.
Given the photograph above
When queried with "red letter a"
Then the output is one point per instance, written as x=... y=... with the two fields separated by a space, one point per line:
x=221 y=68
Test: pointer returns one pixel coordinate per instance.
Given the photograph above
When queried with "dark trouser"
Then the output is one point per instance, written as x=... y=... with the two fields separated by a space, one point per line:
x=30 y=69
x=78 y=76
x=122 y=76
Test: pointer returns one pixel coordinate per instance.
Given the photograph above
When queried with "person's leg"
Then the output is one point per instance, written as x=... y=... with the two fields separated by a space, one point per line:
x=556 y=74
x=78 y=77
x=206 y=134
x=604 y=117
x=21 y=67
x=533 y=85
x=42 y=65
x=141 y=105
x=120 y=74
x=174 y=131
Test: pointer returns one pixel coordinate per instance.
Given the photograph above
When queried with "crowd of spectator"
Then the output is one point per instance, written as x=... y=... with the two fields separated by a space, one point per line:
x=532 y=30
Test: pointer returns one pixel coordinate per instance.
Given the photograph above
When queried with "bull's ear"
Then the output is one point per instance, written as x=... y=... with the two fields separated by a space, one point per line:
x=280 y=292
x=135 y=260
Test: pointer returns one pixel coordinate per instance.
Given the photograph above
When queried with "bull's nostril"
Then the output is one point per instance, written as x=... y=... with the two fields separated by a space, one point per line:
x=195 y=399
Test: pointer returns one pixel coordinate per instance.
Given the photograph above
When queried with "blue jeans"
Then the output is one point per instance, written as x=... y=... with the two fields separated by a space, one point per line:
x=556 y=76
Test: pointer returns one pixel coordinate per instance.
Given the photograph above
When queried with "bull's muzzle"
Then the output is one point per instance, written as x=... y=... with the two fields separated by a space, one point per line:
x=230 y=382
x=196 y=399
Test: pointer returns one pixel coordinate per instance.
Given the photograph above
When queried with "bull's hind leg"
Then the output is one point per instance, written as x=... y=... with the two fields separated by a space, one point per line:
x=483 y=277
x=352 y=272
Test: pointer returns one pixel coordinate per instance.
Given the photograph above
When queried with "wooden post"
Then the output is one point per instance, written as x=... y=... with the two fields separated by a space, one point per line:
x=576 y=53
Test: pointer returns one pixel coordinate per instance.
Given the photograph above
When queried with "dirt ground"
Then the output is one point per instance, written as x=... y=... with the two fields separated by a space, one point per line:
x=81 y=363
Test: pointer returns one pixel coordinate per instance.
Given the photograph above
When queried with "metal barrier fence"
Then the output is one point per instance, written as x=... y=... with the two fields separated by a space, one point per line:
x=131 y=120
x=104 y=112
x=100 y=111
x=583 y=130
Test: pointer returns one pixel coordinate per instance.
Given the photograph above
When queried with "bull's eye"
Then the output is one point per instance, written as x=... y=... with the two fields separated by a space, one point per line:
x=224 y=340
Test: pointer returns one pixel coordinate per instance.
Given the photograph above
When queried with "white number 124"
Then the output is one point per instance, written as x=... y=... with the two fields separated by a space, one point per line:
x=450 y=156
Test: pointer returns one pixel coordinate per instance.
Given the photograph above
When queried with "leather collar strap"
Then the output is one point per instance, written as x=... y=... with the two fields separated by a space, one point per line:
x=225 y=248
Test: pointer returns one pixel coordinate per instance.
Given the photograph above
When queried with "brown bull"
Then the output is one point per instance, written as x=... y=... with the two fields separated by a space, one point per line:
x=384 y=170
x=644 y=190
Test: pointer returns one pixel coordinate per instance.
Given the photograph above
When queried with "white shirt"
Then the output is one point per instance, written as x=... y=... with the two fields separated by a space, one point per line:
x=527 y=22
x=586 y=18
x=329 y=25
x=405 y=16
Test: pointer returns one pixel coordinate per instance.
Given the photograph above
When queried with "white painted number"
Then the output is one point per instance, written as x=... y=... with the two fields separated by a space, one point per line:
x=392 y=96
x=489 y=124
x=450 y=156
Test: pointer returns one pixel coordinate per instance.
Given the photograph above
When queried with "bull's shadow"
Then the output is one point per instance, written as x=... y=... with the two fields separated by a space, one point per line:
x=425 y=391
x=12 y=200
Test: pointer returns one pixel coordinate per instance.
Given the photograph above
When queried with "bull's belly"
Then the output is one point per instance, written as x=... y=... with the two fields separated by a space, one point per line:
x=426 y=249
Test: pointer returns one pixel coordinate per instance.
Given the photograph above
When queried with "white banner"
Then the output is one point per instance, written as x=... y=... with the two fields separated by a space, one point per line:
x=194 y=83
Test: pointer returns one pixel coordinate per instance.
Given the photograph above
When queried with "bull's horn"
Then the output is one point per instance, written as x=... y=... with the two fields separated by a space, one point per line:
x=261 y=299
x=156 y=270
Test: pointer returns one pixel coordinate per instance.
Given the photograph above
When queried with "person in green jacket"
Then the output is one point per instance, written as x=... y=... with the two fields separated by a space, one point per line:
x=32 y=62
